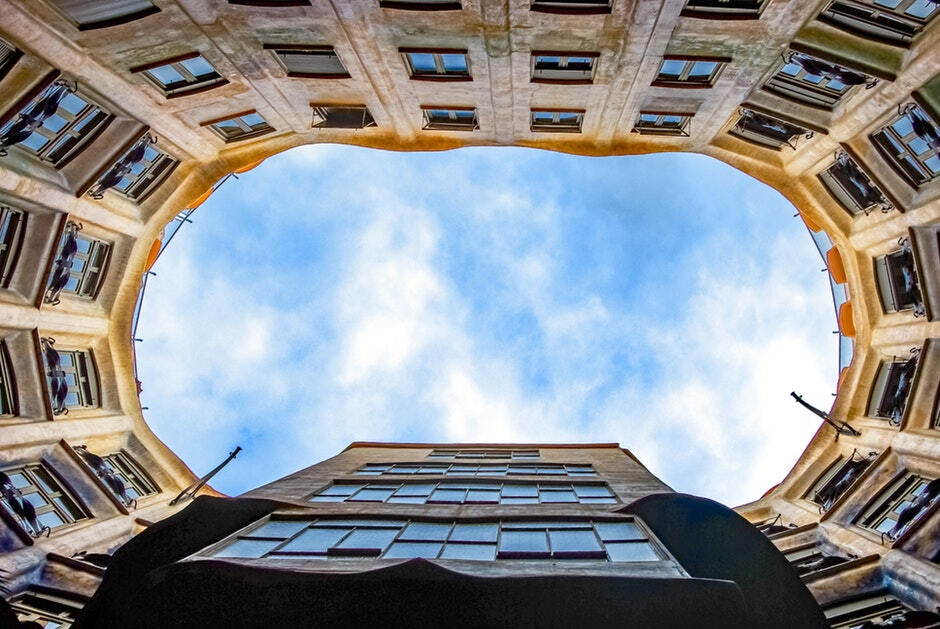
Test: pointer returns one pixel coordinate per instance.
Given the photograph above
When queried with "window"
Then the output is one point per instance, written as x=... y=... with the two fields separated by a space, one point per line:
x=73 y=382
x=453 y=119
x=911 y=143
x=556 y=120
x=463 y=492
x=809 y=559
x=421 y=5
x=69 y=120
x=242 y=126
x=577 y=7
x=723 y=9
x=329 y=117
x=837 y=479
x=309 y=62
x=662 y=123
x=12 y=231
x=271 y=3
x=852 y=187
x=8 y=399
x=891 y=388
x=897 y=281
x=482 y=469
x=622 y=540
x=49 y=507
x=870 y=611
x=689 y=71
x=9 y=55
x=814 y=82
x=436 y=65
x=483 y=454
x=901 y=505
x=767 y=131
x=563 y=67
x=892 y=21
x=118 y=471
x=88 y=14
x=141 y=177
x=182 y=75
x=50 y=610
x=79 y=266
x=772 y=526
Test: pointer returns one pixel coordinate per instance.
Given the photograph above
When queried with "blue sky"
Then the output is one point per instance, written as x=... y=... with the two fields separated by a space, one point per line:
x=667 y=302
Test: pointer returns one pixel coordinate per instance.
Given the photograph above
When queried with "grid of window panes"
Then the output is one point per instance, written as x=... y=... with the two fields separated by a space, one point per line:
x=467 y=492
x=146 y=174
x=87 y=265
x=314 y=62
x=241 y=127
x=90 y=13
x=7 y=384
x=436 y=65
x=12 y=226
x=63 y=133
x=766 y=130
x=891 y=388
x=852 y=187
x=178 y=77
x=483 y=469
x=616 y=540
x=796 y=82
x=562 y=67
x=136 y=483
x=54 y=506
x=78 y=370
x=897 y=281
x=696 y=72
x=917 y=157
x=483 y=454
x=327 y=117
x=556 y=121
x=450 y=119
x=654 y=123
x=883 y=515
x=895 y=21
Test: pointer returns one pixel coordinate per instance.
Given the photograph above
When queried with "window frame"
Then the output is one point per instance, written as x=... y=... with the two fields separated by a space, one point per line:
x=682 y=79
x=887 y=138
x=247 y=131
x=524 y=454
x=842 y=191
x=657 y=127
x=555 y=126
x=312 y=51
x=890 y=500
x=754 y=135
x=846 y=15
x=718 y=11
x=422 y=491
x=324 y=111
x=430 y=122
x=578 y=77
x=892 y=296
x=191 y=83
x=880 y=392
x=110 y=21
x=95 y=266
x=795 y=87
x=423 y=469
x=562 y=7
x=57 y=489
x=154 y=172
x=86 y=389
x=11 y=241
x=862 y=608
x=440 y=73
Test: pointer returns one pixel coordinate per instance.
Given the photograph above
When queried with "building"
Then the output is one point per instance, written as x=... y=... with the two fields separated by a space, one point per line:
x=461 y=534
x=116 y=116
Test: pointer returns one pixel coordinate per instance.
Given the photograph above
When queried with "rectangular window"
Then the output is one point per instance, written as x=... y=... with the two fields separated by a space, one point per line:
x=329 y=117
x=50 y=610
x=309 y=62
x=623 y=540
x=892 y=21
x=71 y=376
x=483 y=454
x=65 y=129
x=12 y=230
x=9 y=55
x=450 y=119
x=53 y=504
x=146 y=174
x=556 y=120
x=852 y=187
x=911 y=143
x=436 y=65
x=563 y=67
x=421 y=5
x=182 y=75
x=662 y=123
x=240 y=126
x=810 y=559
x=897 y=282
x=837 y=480
x=463 y=492
x=136 y=482
x=813 y=81
x=908 y=491
x=571 y=7
x=8 y=397
x=891 y=389
x=482 y=469
x=689 y=71
x=868 y=611
x=723 y=9
x=79 y=266
x=766 y=130
x=89 y=14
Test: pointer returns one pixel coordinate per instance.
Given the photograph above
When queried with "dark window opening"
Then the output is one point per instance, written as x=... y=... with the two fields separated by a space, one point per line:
x=855 y=190
x=330 y=117
x=767 y=131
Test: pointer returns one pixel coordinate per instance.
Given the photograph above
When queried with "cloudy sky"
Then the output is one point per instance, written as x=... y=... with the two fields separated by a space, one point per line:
x=334 y=294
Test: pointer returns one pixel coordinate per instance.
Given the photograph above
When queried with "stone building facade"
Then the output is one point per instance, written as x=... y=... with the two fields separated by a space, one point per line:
x=117 y=115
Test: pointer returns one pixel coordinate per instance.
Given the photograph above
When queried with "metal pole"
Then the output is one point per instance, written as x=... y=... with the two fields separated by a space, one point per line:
x=190 y=491
x=845 y=428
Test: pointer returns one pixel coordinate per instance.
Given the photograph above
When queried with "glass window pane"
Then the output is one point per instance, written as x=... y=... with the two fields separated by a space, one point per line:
x=73 y=103
x=672 y=67
x=519 y=501
x=447 y=495
x=474 y=532
x=703 y=69
x=369 y=539
x=422 y=61
x=482 y=552
x=483 y=495
x=631 y=551
x=342 y=490
x=50 y=519
x=454 y=63
x=54 y=123
x=363 y=522
x=198 y=66
x=610 y=531
x=413 y=549
x=69 y=508
x=523 y=541
x=557 y=496
x=36 y=499
x=166 y=75
x=252 y=119
x=408 y=499
x=520 y=491
x=35 y=141
x=573 y=541
x=415 y=489
x=372 y=495
x=591 y=491
x=315 y=540
x=247 y=548
x=279 y=528
x=426 y=531
x=329 y=498
x=19 y=481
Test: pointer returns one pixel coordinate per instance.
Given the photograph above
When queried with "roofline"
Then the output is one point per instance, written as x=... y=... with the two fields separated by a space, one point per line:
x=394 y=444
